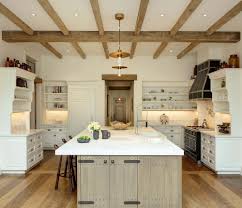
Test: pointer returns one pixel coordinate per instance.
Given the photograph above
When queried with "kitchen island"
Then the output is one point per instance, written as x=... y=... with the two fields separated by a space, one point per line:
x=127 y=170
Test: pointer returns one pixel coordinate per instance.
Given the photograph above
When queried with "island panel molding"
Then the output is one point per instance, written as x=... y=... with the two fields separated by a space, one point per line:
x=126 y=36
x=145 y=181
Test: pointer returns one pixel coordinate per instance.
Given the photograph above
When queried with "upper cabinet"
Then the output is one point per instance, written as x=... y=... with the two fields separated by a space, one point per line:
x=226 y=85
x=16 y=92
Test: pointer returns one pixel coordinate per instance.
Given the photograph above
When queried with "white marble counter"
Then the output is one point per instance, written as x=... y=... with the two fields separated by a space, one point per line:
x=219 y=135
x=123 y=142
x=23 y=133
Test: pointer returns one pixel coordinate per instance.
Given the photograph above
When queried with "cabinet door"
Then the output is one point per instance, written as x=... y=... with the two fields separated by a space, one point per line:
x=123 y=181
x=81 y=104
x=159 y=179
x=93 y=182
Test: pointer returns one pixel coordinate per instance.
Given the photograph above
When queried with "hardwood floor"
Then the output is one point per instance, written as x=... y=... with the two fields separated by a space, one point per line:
x=201 y=188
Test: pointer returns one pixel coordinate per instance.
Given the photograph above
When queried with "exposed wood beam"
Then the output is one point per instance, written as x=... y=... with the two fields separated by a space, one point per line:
x=105 y=48
x=54 y=16
x=192 y=6
x=217 y=25
x=226 y=18
x=126 y=36
x=51 y=49
x=78 y=49
x=99 y=22
x=187 y=50
x=132 y=50
x=139 y=22
x=16 y=20
x=160 y=49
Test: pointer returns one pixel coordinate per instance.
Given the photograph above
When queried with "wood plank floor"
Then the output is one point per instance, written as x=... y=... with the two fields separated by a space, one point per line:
x=201 y=188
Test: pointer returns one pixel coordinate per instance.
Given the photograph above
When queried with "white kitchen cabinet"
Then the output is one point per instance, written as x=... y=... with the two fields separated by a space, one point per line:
x=221 y=153
x=174 y=133
x=19 y=153
x=53 y=135
x=81 y=102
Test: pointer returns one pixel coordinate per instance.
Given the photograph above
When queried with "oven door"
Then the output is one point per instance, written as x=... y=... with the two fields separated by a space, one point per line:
x=190 y=142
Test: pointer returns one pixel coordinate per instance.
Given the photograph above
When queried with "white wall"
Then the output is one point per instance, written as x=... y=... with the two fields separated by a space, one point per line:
x=73 y=68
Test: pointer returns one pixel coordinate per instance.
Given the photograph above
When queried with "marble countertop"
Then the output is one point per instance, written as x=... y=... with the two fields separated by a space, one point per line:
x=123 y=142
x=23 y=133
x=218 y=135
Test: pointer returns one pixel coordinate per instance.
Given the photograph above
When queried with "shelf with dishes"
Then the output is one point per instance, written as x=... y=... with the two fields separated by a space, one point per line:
x=56 y=95
x=174 y=96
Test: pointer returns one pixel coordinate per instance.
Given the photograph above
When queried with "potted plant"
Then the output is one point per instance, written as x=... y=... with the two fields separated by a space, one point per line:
x=94 y=128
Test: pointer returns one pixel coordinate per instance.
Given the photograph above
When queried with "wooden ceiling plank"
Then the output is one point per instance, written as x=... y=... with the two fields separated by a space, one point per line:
x=99 y=22
x=226 y=18
x=51 y=49
x=192 y=6
x=217 y=25
x=126 y=36
x=160 y=49
x=16 y=20
x=54 y=16
x=139 y=22
x=78 y=49
x=187 y=50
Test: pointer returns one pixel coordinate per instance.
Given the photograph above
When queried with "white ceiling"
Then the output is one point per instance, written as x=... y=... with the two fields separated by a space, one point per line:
x=85 y=21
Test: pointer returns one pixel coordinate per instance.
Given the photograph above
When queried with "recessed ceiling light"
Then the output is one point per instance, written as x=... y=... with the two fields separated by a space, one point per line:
x=162 y=15
x=205 y=15
x=76 y=14
x=171 y=51
x=33 y=14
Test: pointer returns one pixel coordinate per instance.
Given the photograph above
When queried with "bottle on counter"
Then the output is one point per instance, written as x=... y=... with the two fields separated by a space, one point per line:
x=7 y=62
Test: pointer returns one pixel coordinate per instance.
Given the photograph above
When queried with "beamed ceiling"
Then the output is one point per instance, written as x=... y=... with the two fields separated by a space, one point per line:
x=150 y=28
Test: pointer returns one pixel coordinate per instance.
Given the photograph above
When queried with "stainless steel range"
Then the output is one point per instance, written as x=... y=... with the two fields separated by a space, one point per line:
x=192 y=141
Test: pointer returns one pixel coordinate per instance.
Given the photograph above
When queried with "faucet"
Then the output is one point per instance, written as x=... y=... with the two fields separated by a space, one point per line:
x=140 y=121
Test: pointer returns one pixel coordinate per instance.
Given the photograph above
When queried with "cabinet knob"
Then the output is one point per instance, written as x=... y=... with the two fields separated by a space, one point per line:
x=105 y=161
x=112 y=161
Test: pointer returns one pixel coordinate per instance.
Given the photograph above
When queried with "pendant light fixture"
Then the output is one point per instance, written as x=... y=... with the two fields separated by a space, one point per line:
x=119 y=54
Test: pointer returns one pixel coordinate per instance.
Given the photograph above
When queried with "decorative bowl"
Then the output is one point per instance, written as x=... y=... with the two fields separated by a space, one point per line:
x=119 y=125
x=83 y=139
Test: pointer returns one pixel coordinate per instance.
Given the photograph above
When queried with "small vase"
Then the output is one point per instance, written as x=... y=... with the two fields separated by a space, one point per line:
x=95 y=135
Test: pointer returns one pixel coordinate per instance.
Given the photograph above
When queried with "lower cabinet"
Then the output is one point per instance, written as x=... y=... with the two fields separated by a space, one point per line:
x=174 y=133
x=129 y=181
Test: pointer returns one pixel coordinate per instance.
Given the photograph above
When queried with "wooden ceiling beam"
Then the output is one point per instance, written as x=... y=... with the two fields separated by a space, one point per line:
x=16 y=20
x=51 y=49
x=78 y=49
x=191 y=7
x=217 y=25
x=139 y=22
x=187 y=50
x=54 y=16
x=226 y=18
x=159 y=50
x=126 y=36
x=99 y=22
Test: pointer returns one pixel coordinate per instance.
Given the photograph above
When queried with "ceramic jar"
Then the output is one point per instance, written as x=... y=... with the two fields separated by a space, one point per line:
x=234 y=61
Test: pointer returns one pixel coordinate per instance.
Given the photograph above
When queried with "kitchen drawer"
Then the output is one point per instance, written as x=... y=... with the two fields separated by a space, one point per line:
x=38 y=147
x=175 y=138
x=38 y=156
x=38 y=138
x=30 y=141
x=57 y=130
x=31 y=161
x=211 y=163
x=30 y=151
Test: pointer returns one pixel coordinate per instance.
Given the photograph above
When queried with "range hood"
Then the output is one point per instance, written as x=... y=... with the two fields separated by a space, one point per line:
x=201 y=88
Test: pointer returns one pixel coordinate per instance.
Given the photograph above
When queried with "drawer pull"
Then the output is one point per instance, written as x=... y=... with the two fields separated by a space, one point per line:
x=131 y=202
x=211 y=152
x=85 y=161
x=86 y=202
x=131 y=161
x=112 y=161
x=172 y=130
x=105 y=162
